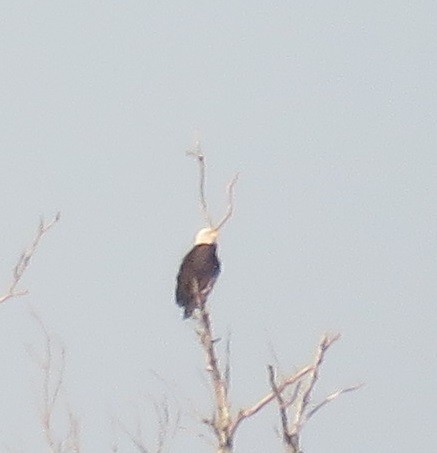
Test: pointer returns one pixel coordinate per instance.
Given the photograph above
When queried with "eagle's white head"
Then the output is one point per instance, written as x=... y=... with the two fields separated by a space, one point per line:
x=206 y=236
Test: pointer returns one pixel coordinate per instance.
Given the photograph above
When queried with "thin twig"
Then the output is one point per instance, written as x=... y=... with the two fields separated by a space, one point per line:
x=136 y=439
x=138 y=445
x=52 y=366
x=24 y=260
x=227 y=373
x=294 y=395
x=282 y=406
x=197 y=153
x=273 y=353
x=50 y=389
x=230 y=209
x=167 y=426
x=72 y=442
x=330 y=398
x=163 y=416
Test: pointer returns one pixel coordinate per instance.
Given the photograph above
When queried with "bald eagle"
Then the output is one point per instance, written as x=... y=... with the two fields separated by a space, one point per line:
x=198 y=272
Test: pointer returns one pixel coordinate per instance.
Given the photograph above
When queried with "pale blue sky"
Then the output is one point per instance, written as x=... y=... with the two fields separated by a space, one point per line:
x=328 y=110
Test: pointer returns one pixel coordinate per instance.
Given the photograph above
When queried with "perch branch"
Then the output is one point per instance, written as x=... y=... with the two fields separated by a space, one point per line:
x=221 y=420
x=24 y=260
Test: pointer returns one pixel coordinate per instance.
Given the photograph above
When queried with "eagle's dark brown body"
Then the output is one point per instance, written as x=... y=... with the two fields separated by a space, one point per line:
x=199 y=269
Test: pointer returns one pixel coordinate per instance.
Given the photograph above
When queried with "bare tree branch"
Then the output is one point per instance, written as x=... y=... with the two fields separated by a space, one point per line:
x=134 y=438
x=246 y=413
x=197 y=153
x=230 y=209
x=227 y=373
x=221 y=419
x=52 y=366
x=330 y=398
x=313 y=377
x=52 y=381
x=167 y=427
x=224 y=425
x=72 y=442
x=294 y=395
x=282 y=406
x=24 y=260
x=292 y=431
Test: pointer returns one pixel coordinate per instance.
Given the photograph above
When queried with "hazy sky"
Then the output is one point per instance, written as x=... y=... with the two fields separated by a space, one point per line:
x=328 y=109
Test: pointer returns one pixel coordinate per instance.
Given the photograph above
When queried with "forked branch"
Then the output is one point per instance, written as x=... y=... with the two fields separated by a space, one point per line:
x=246 y=413
x=200 y=157
x=291 y=431
x=223 y=424
x=51 y=362
x=230 y=208
x=24 y=260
